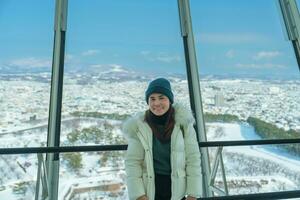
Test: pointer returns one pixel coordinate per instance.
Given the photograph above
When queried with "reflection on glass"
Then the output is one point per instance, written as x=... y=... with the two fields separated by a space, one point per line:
x=256 y=169
x=25 y=66
x=18 y=176
x=94 y=175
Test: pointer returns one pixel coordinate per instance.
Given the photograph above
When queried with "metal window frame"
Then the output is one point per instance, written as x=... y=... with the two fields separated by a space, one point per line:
x=291 y=18
x=194 y=89
x=262 y=196
x=53 y=149
x=54 y=124
x=292 y=23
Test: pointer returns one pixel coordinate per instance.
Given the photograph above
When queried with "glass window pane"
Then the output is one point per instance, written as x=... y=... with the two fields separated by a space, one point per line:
x=25 y=71
x=111 y=56
x=248 y=71
x=18 y=176
x=94 y=175
x=257 y=169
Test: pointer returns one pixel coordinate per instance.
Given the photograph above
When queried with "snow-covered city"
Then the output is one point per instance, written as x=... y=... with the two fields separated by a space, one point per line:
x=25 y=98
x=24 y=104
x=72 y=73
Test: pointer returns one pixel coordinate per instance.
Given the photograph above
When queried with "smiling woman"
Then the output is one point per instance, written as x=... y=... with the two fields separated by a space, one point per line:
x=112 y=49
x=159 y=96
x=158 y=104
x=163 y=158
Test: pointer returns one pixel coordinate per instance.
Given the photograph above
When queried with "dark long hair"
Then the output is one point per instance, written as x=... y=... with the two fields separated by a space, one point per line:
x=168 y=126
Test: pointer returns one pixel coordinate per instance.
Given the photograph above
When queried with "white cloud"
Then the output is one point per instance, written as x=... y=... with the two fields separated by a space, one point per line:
x=266 y=54
x=97 y=66
x=31 y=62
x=90 y=52
x=168 y=58
x=230 y=54
x=69 y=56
x=229 y=38
x=117 y=68
x=260 y=66
x=144 y=53
x=162 y=57
x=109 y=68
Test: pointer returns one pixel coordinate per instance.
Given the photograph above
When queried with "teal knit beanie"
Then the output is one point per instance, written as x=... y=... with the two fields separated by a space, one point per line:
x=162 y=86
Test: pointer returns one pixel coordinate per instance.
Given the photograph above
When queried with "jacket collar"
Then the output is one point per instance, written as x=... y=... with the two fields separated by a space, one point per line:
x=183 y=116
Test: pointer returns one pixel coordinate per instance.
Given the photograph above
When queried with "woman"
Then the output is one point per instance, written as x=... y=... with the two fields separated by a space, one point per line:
x=163 y=159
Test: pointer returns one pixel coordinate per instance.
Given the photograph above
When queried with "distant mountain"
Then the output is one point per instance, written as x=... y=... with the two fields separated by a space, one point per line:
x=251 y=76
x=21 y=70
x=118 y=72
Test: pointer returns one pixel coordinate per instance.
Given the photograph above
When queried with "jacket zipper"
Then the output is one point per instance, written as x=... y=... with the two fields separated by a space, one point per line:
x=173 y=159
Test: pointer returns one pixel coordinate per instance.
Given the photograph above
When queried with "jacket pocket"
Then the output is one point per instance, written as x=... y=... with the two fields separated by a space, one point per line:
x=145 y=181
x=181 y=173
x=180 y=185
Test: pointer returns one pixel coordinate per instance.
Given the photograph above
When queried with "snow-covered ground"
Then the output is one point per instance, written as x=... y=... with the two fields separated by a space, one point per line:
x=252 y=169
x=101 y=174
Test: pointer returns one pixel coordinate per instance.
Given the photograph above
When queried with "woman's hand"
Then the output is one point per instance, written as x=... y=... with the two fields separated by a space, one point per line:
x=191 y=198
x=144 y=197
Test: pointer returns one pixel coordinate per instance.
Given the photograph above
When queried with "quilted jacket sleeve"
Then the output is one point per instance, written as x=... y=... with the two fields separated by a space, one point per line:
x=133 y=166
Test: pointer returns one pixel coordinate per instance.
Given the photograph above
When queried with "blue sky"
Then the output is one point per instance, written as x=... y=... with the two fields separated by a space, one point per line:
x=231 y=37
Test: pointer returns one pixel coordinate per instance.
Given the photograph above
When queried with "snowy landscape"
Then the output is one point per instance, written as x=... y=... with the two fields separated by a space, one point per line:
x=24 y=101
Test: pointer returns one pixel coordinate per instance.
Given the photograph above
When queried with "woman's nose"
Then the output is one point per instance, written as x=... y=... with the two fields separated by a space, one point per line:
x=156 y=102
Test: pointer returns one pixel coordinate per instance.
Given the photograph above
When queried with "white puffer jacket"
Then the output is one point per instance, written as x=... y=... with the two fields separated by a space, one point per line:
x=185 y=157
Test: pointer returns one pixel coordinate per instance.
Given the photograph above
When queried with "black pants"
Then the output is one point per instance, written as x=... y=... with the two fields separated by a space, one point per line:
x=163 y=187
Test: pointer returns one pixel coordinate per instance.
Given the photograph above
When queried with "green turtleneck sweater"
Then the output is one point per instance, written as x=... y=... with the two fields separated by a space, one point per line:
x=161 y=154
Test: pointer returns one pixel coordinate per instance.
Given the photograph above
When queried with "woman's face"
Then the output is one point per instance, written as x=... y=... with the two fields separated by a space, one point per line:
x=159 y=104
